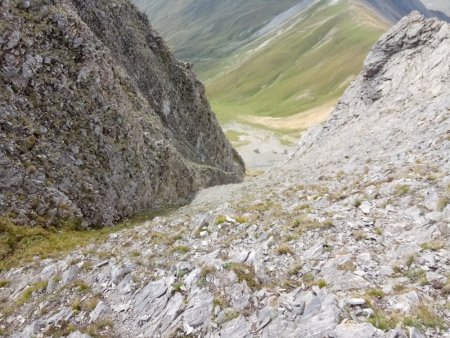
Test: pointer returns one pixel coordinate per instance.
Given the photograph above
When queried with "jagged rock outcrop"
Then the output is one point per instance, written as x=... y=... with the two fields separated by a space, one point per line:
x=396 y=111
x=98 y=121
x=350 y=238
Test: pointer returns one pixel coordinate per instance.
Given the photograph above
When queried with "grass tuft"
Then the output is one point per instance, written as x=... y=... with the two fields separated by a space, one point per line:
x=180 y=249
x=285 y=249
x=402 y=189
x=4 y=283
x=244 y=272
x=433 y=245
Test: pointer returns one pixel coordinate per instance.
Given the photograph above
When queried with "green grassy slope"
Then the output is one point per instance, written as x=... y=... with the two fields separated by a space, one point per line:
x=307 y=65
x=203 y=31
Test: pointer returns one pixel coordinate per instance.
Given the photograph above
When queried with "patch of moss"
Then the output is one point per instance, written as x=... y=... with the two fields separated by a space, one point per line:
x=321 y=283
x=20 y=244
x=220 y=219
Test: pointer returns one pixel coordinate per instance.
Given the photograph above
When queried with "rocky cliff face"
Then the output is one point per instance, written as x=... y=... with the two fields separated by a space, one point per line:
x=350 y=238
x=98 y=121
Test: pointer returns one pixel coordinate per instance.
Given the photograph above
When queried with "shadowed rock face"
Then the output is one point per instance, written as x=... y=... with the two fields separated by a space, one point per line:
x=98 y=121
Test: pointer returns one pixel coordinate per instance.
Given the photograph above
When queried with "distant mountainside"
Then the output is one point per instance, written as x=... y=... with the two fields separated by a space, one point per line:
x=276 y=59
x=438 y=5
x=201 y=31
x=303 y=63
x=394 y=10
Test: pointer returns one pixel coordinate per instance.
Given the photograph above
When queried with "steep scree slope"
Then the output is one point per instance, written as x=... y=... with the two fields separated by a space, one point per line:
x=349 y=239
x=98 y=121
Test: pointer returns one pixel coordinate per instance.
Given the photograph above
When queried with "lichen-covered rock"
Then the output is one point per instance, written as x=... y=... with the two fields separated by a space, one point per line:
x=98 y=121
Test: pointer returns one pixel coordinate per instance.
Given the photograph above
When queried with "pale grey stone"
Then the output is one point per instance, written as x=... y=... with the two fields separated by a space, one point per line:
x=78 y=334
x=199 y=309
x=100 y=310
x=70 y=274
x=238 y=327
x=365 y=207
x=349 y=330
x=356 y=301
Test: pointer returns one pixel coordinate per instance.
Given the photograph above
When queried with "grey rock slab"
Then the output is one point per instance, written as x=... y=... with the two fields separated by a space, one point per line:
x=70 y=274
x=30 y=330
x=64 y=314
x=356 y=301
x=101 y=309
x=396 y=333
x=320 y=317
x=78 y=334
x=386 y=270
x=241 y=256
x=314 y=252
x=150 y=293
x=240 y=295
x=435 y=277
x=414 y=213
x=278 y=325
x=264 y=318
x=365 y=207
x=404 y=303
x=238 y=327
x=162 y=320
x=351 y=330
x=199 y=309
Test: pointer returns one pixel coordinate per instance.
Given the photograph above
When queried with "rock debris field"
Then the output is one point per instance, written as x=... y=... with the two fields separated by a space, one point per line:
x=349 y=238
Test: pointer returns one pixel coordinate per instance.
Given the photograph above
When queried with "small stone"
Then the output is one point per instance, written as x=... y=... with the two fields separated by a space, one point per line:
x=356 y=301
x=368 y=313
x=121 y=308
x=14 y=40
x=386 y=271
x=99 y=265
x=414 y=333
x=26 y=4
x=365 y=207
x=78 y=334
